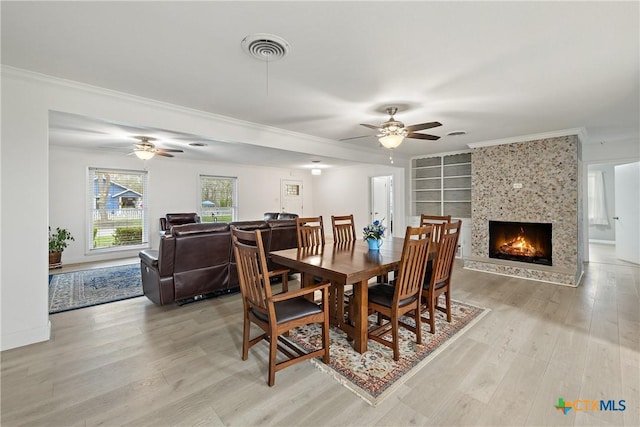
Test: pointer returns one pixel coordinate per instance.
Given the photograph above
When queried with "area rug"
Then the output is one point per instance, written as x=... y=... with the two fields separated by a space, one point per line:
x=374 y=375
x=85 y=288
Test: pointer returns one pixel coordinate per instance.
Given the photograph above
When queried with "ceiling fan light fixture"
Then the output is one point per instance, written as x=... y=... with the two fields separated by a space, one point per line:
x=143 y=154
x=391 y=140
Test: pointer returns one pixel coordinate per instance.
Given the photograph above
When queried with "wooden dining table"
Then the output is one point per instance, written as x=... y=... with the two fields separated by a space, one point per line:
x=345 y=264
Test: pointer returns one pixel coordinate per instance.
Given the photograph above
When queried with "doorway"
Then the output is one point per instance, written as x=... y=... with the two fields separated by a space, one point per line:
x=382 y=201
x=291 y=196
x=607 y=187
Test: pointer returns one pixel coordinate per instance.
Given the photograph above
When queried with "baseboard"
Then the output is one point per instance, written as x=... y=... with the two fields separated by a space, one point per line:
x=22 y=338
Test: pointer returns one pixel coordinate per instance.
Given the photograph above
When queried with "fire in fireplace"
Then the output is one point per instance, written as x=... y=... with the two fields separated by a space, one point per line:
x=520 y=241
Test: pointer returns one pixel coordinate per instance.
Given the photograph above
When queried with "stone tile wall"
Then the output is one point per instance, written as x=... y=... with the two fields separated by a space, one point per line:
x=549 y=171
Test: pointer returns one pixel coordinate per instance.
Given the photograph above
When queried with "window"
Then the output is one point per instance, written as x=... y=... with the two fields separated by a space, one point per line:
x=218 y=197
x=117 y=210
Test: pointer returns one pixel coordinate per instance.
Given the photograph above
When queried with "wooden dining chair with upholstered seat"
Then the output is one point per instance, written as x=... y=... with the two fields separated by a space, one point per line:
x=344 y=229
x=344 y=232
x=434 y=220
x=277 y=314
x=310 y=232
x=437 y=281
x=393 y=301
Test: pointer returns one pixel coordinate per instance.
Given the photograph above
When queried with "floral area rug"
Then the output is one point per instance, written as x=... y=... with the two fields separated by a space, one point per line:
x=374 y=374
x=85 y=288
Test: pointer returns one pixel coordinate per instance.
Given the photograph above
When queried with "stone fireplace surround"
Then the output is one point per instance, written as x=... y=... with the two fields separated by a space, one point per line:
x=534 y=180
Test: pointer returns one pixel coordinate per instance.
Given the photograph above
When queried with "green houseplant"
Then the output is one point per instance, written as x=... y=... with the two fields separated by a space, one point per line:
x=58 y=241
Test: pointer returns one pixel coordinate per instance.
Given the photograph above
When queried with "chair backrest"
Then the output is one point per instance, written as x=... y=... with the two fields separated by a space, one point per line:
x=344 y=229
x=251 y=264
x=435 y=220
x=412 y=263
x=310 y=232
x=445 y=254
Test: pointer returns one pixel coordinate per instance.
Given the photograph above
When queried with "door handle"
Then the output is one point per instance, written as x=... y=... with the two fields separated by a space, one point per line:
x=616 y=217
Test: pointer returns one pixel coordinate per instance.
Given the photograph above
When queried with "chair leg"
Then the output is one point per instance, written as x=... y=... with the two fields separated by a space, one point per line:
x=285 y=283
x=418 y=320
x=448 y=302
x=394 y=334
x=245 y=336
x=326 y=341
x=273 y=350
x=432 y=316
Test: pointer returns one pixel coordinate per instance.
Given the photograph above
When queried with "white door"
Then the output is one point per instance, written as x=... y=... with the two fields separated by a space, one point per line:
x=627 y=216
x=291 y=196
x=381 y=201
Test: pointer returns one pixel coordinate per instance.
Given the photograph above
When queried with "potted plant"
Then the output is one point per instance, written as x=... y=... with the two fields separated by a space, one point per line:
x=373 y=234
x=57 y=243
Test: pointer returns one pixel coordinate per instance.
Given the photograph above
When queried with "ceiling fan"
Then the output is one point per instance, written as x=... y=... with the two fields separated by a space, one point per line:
x=145 y=149
x=392 y=132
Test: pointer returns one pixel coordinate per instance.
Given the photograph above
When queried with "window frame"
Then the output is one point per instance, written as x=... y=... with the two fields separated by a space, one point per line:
x=206 y=215
x=91 y=207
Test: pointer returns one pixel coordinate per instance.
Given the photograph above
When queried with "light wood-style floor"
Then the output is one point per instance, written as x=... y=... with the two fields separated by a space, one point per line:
x=133 y=363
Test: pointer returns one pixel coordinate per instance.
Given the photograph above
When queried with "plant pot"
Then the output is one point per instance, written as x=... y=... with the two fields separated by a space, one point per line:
x=374 y=244
x=55 y=259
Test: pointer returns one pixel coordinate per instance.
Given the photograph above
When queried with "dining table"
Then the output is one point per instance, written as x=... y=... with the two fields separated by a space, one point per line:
x=343 y=264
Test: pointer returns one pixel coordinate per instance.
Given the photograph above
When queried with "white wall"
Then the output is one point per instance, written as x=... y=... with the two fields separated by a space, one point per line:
x=173 y=187
x=346 y=191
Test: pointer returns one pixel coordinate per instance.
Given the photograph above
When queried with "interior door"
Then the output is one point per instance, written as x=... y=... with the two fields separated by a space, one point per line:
x=627 y=212
x=291 y=196
x=381 y=201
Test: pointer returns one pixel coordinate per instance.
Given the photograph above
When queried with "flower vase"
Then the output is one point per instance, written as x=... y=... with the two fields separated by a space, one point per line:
x=374 y=244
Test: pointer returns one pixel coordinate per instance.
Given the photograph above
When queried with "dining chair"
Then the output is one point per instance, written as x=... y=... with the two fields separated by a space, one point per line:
x=393 y=301
x=277 y=314
x=437 y=280
x=344 y=233
x=433 y=220
x=344 y=229
x=310 y=232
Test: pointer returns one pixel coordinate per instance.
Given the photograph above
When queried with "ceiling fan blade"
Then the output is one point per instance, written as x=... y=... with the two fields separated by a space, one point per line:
x=162 y=153
x=422 y=126
x=171 y=150
x=355 y=137
x=370 y=126
x=422 y=136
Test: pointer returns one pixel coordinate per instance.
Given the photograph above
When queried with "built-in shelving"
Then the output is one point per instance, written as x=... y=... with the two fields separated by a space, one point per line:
x=441 y=185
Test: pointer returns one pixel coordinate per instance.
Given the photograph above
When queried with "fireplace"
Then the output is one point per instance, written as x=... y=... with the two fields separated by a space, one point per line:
x=520 y=241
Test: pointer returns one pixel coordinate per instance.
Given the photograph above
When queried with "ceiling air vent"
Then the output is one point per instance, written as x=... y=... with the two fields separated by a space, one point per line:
x=265 y=47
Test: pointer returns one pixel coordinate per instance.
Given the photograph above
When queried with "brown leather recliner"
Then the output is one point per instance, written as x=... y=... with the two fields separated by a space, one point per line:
x=192 y=261
x=172 y=219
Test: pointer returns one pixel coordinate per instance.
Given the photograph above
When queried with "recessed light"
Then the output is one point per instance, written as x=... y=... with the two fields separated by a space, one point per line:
x=457 y=133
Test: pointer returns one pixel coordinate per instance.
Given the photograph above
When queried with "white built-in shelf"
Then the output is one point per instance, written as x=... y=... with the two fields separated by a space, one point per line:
x=441 y=185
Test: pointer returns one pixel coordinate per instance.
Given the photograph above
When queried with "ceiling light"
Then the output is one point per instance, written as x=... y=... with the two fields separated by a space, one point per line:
x=316 y=171
x=144 y=154
x=391 y=140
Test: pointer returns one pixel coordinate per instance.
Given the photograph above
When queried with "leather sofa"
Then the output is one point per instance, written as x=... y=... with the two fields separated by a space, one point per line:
x=196 y=260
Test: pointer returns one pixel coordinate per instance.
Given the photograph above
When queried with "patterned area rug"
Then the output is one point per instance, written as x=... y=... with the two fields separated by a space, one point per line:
x=85 y=288
x=374 y=375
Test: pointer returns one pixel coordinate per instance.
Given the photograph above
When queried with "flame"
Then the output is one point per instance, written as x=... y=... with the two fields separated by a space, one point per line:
x=519 y=246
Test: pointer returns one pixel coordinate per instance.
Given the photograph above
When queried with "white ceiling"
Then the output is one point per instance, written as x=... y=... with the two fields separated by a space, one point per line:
x=493 y=69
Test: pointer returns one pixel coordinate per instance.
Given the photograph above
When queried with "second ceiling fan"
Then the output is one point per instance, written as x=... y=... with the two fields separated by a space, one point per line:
x=145 y=149
x=392 y=132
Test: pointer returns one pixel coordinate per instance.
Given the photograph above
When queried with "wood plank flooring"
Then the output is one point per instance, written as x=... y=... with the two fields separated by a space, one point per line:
x=131 y=363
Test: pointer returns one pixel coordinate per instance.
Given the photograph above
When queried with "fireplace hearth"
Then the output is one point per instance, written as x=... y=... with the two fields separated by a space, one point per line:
x=520 y=241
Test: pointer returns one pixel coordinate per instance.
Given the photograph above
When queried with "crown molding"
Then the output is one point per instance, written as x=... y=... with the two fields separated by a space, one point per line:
x=580 y=132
